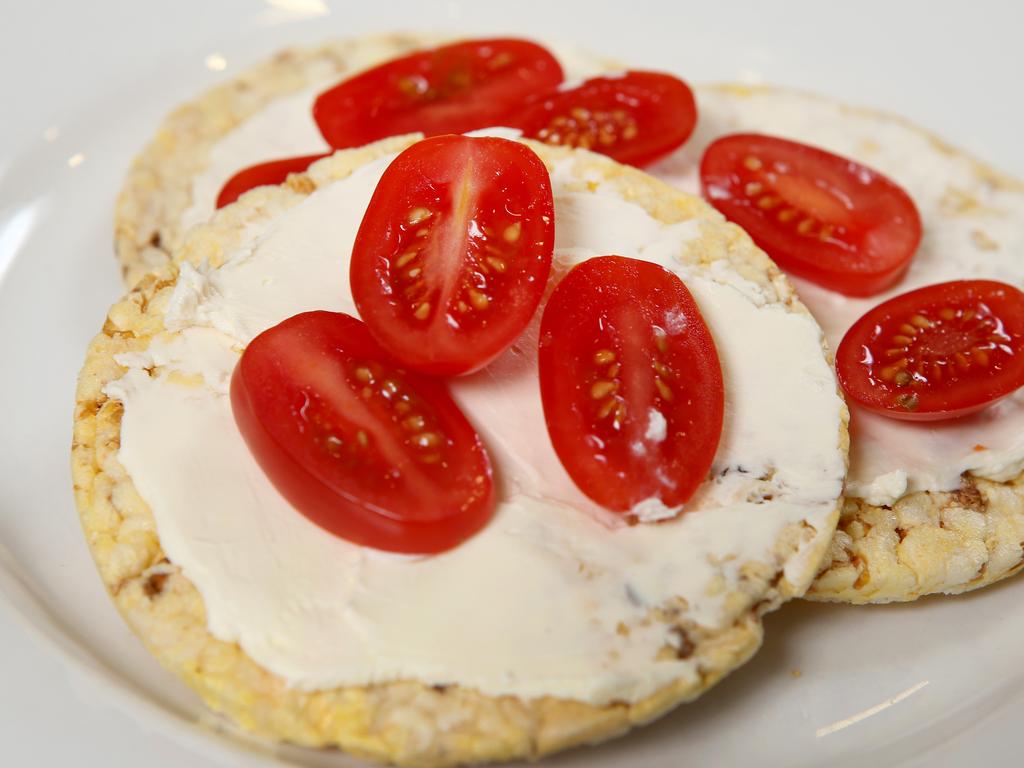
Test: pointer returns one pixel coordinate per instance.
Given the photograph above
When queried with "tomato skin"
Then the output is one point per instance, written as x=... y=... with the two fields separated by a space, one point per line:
x=451 y=89
x=822 y=217
x=340 y=446
x=938 y=352
x=454 y=252
x=273 y=172
x=630 y=382
x=634 y=118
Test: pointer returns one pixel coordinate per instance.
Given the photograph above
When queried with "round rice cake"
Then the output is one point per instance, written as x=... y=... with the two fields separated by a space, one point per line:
x=943 y=510
x=754 y=537
x=159 y=199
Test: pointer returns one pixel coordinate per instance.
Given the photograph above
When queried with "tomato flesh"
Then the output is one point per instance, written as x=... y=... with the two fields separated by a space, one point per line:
x=634 y=118
x=822 y=217
x=270 y=173
x=451 y=89
x=938 y=352
x=453 y=254
x=630 y=383
x=364 y=449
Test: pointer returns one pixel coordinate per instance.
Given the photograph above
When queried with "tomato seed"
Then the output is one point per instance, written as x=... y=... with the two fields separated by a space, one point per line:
x=428 y=440
x=413 y=85
x=909 y=401
x=752 y=163
x=500 y=61
x=921 y=321
x=405 y=258
x=419 y=214
x=414 y=423
x=601 y=389
x=608 y=406
x=663 y=388
x=422 y=311
x=889 y=373
x=604 y=356
x=480 y=301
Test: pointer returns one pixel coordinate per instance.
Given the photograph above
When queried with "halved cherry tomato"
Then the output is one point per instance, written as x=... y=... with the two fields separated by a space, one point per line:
x=938 y=352
x=452 y=89
x=820 y=216
x=454 y=251
x=633 y=118
x=365 y=450
x=630 y=382
x=269 y=173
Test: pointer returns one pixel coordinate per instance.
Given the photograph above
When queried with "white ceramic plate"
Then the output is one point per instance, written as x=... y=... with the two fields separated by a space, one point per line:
x=84 y=85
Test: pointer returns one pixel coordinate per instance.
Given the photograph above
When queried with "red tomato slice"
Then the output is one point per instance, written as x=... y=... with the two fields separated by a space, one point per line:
x=634 y=118
x=938 y=352
x=454 y=251
x=365 y=450
x=820 y=216
x=452 y=89
x=265 y=174
x=630 y=382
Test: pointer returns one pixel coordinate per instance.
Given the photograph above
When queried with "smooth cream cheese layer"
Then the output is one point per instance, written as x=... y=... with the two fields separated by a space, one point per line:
x=971 y=230
x=547 y=599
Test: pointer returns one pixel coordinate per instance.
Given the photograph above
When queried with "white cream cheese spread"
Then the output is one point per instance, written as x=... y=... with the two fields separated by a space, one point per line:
x=546 y=599
x=972 y=229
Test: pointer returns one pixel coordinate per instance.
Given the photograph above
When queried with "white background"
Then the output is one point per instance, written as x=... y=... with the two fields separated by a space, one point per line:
x=108 y=71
